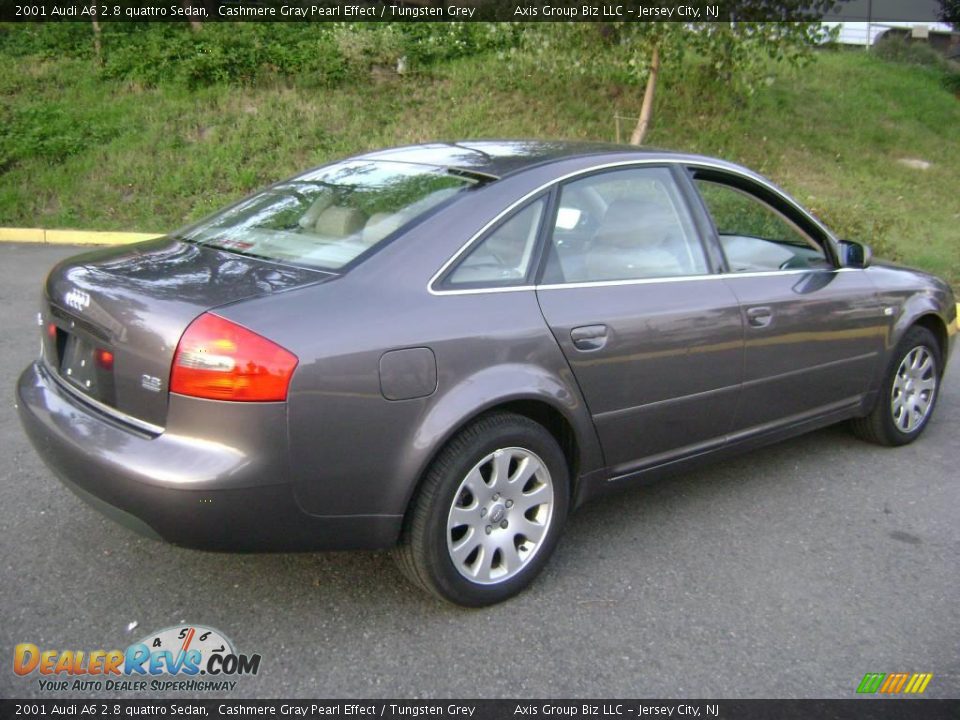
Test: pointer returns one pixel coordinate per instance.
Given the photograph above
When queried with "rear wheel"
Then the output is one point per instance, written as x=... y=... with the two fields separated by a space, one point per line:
x=489 y=512
x=908 y=393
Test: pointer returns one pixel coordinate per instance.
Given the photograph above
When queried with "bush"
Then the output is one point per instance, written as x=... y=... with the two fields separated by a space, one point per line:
x=223 y=53
x=322 y=54
x=48 y=40
x=364 y=47
x=898 y=49
x=426 y=43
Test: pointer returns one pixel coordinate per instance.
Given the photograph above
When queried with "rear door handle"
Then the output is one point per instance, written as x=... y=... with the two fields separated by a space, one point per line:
x=759 y=316
x=589 y=337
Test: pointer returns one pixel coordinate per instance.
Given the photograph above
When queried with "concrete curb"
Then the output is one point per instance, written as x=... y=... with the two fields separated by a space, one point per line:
x=72 y=237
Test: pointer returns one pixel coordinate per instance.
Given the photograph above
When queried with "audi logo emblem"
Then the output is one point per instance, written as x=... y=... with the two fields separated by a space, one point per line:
x=77 y=299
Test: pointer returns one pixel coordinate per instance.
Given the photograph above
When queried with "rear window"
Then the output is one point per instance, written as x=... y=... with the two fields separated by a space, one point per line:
x=330 y=216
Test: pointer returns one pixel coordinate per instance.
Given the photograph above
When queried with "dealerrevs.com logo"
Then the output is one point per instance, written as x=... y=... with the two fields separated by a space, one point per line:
x=187 y=658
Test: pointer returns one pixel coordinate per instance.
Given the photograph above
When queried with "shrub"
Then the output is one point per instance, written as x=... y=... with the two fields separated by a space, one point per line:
x=364 y=47
x=243 y=53
x=223 y=53
x=49 y=40
x=898 y=49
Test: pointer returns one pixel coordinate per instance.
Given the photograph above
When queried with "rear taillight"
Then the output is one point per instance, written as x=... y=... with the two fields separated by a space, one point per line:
x=220 y=360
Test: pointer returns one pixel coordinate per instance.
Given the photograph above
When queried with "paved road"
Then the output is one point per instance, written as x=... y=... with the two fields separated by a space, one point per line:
x=790 y=572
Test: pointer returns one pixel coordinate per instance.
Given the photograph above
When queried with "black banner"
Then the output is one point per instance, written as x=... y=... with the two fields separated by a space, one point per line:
x=925 y=11
x=855 y=709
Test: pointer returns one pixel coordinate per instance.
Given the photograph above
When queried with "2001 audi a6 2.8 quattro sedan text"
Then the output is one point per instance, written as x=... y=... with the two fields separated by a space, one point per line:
x=447 y=347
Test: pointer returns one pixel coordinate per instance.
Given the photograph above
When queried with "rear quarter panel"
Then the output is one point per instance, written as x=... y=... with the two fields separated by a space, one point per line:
x=353 y=451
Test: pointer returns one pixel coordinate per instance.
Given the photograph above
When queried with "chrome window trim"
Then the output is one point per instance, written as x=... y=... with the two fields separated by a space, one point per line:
x=642 y=281
x=685 y=162
x=685 y=278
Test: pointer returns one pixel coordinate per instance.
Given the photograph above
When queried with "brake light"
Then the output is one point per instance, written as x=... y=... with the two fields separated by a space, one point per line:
x=220 y=360
x=104 y=358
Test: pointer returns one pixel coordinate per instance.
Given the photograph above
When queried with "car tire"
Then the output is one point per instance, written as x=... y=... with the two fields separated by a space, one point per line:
x=908 y=392
x=488 y=513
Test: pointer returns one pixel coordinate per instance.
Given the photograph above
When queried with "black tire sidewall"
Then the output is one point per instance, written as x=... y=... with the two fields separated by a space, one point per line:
x=518 y=432
x=915 y=337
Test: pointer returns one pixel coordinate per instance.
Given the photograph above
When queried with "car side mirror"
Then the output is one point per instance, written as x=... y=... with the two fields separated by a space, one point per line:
x=854 y=254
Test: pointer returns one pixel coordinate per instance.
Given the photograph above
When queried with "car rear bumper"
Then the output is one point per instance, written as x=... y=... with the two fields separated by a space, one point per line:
x=183 y=490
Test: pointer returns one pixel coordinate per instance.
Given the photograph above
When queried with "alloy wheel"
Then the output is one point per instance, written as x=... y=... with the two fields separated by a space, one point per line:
x=500 y=516
x=914 y=388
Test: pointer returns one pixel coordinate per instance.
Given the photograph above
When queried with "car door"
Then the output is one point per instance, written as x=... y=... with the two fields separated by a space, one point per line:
x=652 y=334
x=814 y=331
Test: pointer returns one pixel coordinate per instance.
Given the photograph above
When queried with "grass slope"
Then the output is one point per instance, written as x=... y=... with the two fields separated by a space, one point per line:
x=80 y=152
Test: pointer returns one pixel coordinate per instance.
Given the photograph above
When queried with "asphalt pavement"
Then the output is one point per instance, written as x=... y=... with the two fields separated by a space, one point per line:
x=788 y=572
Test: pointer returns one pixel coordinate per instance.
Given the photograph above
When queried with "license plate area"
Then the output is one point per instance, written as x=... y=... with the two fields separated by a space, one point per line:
x=87 y=367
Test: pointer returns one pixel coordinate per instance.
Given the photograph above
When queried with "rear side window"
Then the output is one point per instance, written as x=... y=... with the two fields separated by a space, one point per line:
x=503 y=257
x=622 y=225
x=332 y=215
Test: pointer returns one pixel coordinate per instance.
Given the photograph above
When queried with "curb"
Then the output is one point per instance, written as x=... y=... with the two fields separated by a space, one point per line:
x=72 y=237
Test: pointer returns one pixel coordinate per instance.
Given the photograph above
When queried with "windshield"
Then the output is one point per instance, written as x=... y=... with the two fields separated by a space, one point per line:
x=330 y=216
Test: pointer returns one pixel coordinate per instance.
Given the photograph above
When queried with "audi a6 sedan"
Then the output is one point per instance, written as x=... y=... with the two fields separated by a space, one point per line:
x=446 y=348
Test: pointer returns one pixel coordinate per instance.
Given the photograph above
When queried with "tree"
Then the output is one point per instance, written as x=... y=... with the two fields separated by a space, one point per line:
x=734 y=49
x=734 y=52
x=195 y=25
x=97 y=46
x=950 y=13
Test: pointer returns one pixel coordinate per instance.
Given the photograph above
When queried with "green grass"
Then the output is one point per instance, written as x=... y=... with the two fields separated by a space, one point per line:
x=80 y=152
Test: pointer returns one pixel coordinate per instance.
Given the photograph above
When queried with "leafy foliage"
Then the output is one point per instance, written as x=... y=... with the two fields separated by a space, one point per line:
x=735 y=55
x=49 y=131
x=899 y=49
x=320 y=54
x=950 y=12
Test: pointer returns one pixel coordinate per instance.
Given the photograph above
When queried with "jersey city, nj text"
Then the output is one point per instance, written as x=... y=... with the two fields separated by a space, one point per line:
x=643 y=12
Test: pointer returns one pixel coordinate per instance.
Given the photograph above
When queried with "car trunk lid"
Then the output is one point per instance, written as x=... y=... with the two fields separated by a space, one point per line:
x=113 y=317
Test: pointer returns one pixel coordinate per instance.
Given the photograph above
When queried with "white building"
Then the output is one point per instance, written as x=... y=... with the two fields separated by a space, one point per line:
x=866 y=33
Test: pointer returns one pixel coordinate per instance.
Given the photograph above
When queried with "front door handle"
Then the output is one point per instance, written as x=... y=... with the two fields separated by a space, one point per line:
x=589 y=337
x=759 y=316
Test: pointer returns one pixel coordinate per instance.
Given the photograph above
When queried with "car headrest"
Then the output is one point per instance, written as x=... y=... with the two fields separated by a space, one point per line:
x=309 y=219
x=380 y=225
x=338 y=221
x=629 y=222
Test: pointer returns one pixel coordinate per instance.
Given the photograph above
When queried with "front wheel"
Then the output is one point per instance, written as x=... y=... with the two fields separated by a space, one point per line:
x=489 y=512
x=908 y=392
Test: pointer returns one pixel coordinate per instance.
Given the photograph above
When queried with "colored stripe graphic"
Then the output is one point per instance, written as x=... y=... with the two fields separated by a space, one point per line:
x=918 y=683
x=893 y=683
x=871 y=682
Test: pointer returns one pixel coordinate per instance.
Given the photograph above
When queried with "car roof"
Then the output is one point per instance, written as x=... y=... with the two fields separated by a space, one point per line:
x=497 y=158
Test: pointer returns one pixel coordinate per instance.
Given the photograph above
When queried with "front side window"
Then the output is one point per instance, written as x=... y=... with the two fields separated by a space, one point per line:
x=622 y=225
x=755 y=236
x=330 y=216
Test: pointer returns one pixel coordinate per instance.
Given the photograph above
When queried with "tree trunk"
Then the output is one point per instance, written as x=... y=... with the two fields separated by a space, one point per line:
x=97 y=49
x=646 y=110
x=195 y=25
